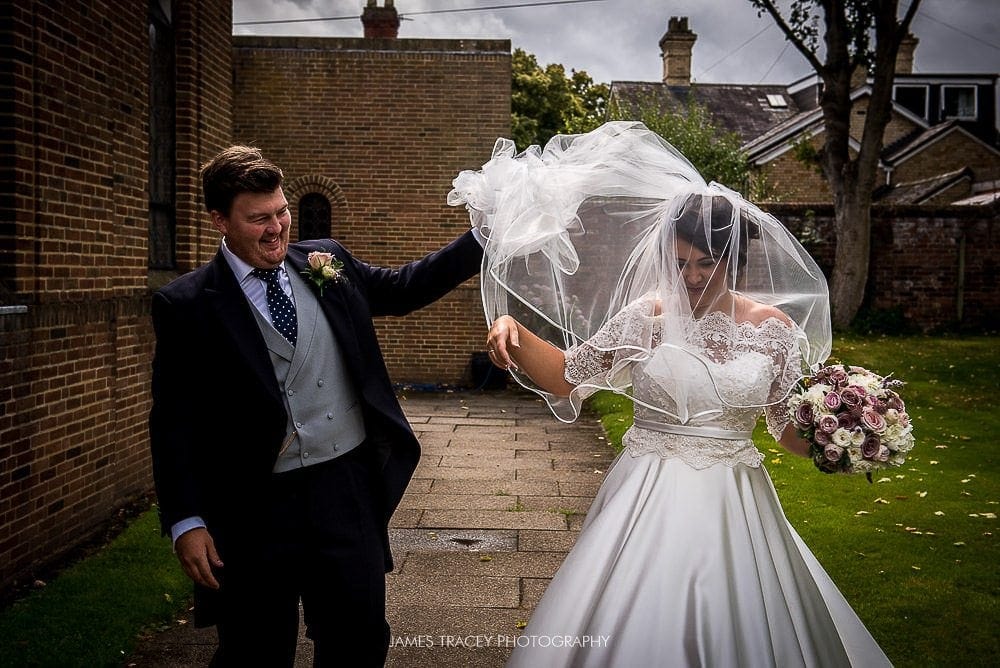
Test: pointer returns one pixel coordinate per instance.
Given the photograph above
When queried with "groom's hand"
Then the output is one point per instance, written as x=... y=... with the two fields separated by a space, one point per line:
x=196 y=552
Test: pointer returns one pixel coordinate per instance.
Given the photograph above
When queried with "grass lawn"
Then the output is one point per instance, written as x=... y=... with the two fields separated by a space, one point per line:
x=92 y=613
x=916 y=552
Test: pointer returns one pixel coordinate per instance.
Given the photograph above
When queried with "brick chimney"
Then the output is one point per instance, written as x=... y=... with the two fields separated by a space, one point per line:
x=904 y=57
x=675 y=49
x=380 y=22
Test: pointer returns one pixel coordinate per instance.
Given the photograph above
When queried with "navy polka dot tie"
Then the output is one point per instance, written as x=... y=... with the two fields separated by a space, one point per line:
x=279 y=304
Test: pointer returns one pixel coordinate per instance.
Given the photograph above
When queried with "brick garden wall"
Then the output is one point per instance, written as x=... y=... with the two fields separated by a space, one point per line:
x=381 y=127
x=939 y=267
x=74 y=225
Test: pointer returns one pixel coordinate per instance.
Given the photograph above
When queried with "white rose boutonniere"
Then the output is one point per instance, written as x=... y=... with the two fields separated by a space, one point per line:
x=323 y=268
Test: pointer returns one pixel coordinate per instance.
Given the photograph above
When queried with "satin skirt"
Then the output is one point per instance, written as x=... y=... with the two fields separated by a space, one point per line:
x=682 y=567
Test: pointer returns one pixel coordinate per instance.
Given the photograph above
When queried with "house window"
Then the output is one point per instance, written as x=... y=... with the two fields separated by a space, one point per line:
x=162 y=139
x=959 y=102
x=777 y=101
x=314 y=217
x=913 y=98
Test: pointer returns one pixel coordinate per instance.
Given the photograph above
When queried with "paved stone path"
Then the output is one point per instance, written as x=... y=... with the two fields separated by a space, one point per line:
x=494 y=506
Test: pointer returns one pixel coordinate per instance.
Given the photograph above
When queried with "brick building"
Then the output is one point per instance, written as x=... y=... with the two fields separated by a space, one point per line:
x=111 y=108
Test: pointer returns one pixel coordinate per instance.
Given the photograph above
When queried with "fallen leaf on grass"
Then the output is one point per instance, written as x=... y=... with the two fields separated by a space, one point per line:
x=938 y=513
x=921 y=494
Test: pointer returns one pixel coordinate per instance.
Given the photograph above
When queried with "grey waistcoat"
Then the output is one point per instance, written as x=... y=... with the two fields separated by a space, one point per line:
x=324 y=417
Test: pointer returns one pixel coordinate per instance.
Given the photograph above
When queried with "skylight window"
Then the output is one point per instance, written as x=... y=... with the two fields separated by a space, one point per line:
x=777 y=101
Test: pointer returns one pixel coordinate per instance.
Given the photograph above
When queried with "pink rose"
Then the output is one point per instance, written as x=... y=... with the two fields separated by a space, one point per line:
x=852 y=397
x=832 y=401
x=846 y=420
x=828 y=424
x=833 y=453
x=873 y=420
x=838 y=376
x=883 y=454
x=871 y=447
x=318 y=260
x=804 y=414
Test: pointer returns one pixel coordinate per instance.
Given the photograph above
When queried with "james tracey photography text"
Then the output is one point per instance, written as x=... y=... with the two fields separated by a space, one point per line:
x=498 y=641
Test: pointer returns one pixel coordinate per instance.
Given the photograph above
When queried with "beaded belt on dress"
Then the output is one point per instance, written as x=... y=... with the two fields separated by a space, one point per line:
x=685 y=430
x=698 y=447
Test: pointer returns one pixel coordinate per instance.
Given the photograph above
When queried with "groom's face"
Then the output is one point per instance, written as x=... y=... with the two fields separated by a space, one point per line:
x=256 y=228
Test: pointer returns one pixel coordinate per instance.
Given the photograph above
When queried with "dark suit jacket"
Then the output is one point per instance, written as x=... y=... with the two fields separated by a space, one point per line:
x=218 y=420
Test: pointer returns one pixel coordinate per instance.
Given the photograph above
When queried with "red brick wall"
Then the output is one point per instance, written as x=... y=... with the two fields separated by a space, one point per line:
x=381 y=128
x=938 y=266
x=74 y=368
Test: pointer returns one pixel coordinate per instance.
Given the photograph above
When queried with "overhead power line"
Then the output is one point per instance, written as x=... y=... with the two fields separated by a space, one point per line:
x=409 y=14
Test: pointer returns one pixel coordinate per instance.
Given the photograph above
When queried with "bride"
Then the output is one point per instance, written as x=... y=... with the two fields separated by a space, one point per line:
x=610 y=264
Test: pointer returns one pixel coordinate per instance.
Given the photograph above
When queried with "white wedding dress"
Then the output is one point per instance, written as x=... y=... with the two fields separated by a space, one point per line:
x=685 y=557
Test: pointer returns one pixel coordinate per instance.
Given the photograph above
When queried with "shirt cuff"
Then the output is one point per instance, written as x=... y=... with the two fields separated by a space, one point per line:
x=185 y=525
x=479 y=236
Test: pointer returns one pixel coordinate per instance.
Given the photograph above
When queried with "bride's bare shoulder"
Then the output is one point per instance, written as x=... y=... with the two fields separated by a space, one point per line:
x=757 y=313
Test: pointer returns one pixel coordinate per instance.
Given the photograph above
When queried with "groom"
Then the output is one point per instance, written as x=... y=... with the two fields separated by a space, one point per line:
x=279 y=448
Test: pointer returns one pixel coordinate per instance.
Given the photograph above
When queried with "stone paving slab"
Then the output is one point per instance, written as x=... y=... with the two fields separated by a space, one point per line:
x=455 y=501
x=488 y=462
x=484 y=564
x=453 y=591
x=493 y=519
x=426 y=470
x=499 y=487
x=558 y=504
x=532 y=540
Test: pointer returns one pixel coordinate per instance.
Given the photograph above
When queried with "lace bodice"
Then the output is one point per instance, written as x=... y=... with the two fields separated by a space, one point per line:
x=716 y=383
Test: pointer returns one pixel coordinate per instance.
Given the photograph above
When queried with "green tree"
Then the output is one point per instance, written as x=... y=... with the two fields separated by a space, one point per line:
x=545 y=102
x=714 y=153
x=863 y=34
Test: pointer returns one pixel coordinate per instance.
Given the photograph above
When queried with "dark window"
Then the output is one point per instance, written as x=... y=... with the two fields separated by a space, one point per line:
x=913 y=98
x=959 y=102
x=314 y=217
x=162 y=139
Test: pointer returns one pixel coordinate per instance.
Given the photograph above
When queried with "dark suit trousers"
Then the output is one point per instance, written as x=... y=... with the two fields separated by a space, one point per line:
x=320 y=542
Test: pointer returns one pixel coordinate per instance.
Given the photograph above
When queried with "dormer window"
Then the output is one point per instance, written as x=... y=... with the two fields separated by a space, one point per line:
x=777 y=101
x=959 y=102
x=913 y=98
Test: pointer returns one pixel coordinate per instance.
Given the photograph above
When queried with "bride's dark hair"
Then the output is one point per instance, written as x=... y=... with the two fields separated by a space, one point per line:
x=717 y=238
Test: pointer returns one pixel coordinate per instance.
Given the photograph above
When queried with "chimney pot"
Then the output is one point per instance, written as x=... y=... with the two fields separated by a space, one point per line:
x=380 y=22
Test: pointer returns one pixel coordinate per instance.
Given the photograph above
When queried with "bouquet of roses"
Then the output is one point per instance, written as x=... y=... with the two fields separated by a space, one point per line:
x=854 y=420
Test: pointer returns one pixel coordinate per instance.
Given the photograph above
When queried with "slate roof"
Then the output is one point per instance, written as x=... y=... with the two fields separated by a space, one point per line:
x=917 y=192
x=739 y=108
x=913 y=141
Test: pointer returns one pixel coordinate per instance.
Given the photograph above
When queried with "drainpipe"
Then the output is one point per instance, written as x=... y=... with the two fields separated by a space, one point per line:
x=960 y=296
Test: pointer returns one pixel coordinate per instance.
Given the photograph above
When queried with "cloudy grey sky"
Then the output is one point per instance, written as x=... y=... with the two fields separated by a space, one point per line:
x=617 y=40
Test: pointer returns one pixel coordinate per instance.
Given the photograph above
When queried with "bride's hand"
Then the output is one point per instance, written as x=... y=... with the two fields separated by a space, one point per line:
x=502 y=338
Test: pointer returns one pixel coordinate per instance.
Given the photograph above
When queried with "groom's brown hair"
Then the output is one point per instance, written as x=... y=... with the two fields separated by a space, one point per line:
x=237 y=169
